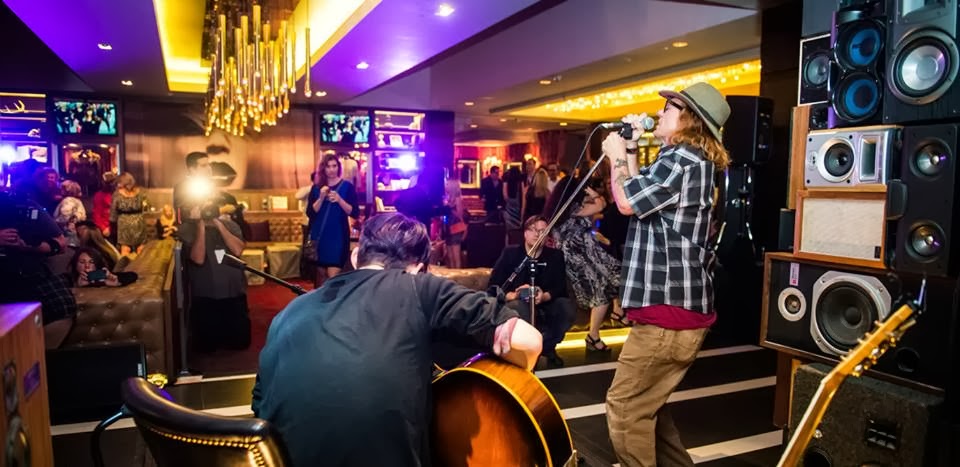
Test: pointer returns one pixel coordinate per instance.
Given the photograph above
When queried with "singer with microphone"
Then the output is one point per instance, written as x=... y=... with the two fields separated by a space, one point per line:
x=331 y=201
x=667 y=276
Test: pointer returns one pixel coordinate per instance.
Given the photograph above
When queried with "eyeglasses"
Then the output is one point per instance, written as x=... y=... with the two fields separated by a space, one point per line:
x=669 y=103
x=537 y=231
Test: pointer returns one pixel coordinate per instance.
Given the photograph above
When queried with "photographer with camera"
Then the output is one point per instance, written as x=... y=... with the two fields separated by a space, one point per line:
x=28 y=236
x=219 y=317
x=555 y=312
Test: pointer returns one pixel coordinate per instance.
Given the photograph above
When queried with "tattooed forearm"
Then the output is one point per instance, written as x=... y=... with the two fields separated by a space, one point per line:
x=621 y=179
x=620 y=164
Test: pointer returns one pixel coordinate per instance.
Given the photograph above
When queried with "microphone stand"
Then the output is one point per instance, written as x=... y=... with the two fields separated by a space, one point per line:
x=528 y=260
x=234 y=262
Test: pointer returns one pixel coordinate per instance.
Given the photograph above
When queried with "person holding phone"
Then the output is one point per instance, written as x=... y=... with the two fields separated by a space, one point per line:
x=89 y=269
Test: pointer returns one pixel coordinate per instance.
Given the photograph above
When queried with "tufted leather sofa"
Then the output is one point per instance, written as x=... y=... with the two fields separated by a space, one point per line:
x=477 y=279
x=139 y=312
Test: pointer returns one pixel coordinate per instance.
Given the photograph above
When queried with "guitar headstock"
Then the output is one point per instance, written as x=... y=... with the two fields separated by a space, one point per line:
x=874 y=344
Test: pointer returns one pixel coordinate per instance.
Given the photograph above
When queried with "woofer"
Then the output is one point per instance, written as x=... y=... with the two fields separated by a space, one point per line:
x=923 y=67
x=837 y=161
x=845 y=307
x=857 y=97
x=859 y=44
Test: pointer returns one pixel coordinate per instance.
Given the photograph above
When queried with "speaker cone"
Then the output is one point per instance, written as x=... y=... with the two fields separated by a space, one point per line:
x=857 y=97
x=924 y=67
x=931 y=159
x=816 y=70
x=859 y=44
x=845 y=307
x=836 y=163
x=926 y=240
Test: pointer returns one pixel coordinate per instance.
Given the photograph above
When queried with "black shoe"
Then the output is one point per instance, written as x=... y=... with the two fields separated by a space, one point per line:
x=554 y=360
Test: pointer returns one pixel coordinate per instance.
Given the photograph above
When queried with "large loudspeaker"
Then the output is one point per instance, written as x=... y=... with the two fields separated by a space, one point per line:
x=845 y=157
x=922 y=203
x=818 y=310
x=102 y=368
x=856 y=76
x=868 y=422
x=817 y=15
x=746 y=134
x=922 y=62
x=815 y=58
x=24 y=413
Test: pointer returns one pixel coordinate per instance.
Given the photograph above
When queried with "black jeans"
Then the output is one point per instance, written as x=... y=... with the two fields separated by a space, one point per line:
x=553 y=319
x=219 y=323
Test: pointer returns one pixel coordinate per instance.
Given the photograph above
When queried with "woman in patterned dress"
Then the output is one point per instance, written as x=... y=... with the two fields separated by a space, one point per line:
x=126 y=210
x=594 y=275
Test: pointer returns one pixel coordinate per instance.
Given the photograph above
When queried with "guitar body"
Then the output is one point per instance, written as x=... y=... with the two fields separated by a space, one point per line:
x=488 y=412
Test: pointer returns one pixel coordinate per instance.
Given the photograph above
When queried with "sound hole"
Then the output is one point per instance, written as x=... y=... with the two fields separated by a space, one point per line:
x=857 y=97
x=816 y=71
x=931 y=159
x=859 y=44
x=845 y=313
x=926 y=240
x=838 y=160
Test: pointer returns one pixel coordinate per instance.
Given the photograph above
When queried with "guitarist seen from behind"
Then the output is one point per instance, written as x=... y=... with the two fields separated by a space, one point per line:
x=345 y=373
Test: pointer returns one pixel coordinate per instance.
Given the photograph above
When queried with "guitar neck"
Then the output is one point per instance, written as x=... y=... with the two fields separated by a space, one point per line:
x=808 y=424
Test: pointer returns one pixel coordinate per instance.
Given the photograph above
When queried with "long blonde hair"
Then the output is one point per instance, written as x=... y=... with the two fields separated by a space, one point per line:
x=540 y=184
x=693 y=132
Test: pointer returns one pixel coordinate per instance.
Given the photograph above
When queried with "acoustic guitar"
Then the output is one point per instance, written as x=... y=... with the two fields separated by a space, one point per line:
x=488 y=412
x=872 y=346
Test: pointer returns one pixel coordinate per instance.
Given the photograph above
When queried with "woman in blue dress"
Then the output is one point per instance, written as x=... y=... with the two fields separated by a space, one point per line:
x=329 y=204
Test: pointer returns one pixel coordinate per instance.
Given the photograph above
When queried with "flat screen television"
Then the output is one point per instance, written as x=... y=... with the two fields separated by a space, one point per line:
x=85 y=117
x=345 y=127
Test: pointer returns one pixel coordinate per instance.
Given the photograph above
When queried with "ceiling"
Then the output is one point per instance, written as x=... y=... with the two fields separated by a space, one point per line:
x=491 y=53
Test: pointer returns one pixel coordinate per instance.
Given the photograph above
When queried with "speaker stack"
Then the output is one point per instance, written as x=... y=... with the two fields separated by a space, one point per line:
x=875 y=216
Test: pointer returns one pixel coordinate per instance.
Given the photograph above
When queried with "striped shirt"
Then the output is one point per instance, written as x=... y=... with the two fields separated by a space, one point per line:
x=666 y=259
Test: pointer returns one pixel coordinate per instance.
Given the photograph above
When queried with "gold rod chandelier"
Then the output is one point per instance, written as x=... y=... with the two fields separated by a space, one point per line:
x=252 y=73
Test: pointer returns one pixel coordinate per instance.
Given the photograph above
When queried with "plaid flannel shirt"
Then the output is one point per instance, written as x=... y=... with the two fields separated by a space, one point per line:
x=667 y=260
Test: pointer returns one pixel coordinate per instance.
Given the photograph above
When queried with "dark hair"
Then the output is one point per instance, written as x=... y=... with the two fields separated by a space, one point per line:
x=98 y=262
x=194 y=157
x=394 y=240
x=322 y=168
x=562 y=191
x=533 y=220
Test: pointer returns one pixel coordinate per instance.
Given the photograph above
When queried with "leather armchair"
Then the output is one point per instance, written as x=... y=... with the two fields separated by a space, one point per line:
x=181 y=437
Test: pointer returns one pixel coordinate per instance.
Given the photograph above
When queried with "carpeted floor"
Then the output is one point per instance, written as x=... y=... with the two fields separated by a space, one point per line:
x=264 y=302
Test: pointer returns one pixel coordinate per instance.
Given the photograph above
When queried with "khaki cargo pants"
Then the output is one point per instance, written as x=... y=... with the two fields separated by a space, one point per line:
x=651 y=365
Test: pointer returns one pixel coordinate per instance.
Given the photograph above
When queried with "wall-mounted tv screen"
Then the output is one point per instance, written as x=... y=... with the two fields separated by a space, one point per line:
x=345 y=128
x=85 y=117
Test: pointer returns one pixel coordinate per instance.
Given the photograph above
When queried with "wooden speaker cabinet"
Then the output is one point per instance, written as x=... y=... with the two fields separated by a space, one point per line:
x=25 y=418
x=842 y=226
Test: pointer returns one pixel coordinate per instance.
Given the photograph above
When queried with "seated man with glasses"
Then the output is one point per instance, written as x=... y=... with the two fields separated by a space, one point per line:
x=555 y=312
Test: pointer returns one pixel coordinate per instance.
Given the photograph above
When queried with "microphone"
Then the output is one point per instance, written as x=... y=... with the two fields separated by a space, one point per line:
x=647 y=123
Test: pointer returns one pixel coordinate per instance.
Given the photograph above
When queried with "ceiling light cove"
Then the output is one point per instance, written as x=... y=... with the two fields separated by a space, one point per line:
x=126 y=82
x=733 y=79
x=104 y=46
x=444 y=10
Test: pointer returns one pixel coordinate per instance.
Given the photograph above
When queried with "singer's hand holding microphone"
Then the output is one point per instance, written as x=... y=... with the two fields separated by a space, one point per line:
x=631 y=127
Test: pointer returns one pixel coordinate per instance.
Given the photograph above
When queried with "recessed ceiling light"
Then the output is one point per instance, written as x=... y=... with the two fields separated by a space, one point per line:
x=104 y=46
x=363 y=66
x=680 y=44
x=320 y=93
x=563 y=123
x=545 y=82
x=444 y=10
x=503 y=119
x=468 y=103
x=127 y=82
x=473 y=125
